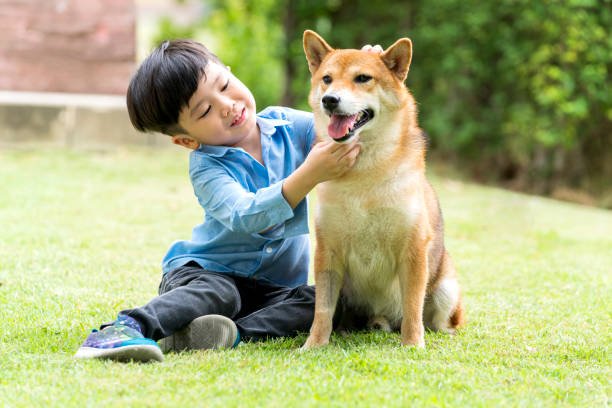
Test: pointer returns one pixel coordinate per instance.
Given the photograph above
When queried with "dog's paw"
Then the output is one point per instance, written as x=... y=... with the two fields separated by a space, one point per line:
x=446 y=330
x=417 y=345
x=416 y=342
x=449 y=331
x=312 y=343
x=343 y=332
x=379 y=323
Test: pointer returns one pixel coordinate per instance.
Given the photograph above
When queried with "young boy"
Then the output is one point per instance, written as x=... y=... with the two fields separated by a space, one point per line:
x=243 y=274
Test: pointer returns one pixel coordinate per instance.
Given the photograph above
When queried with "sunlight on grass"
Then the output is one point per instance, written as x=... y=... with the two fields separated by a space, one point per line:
x=83 y=235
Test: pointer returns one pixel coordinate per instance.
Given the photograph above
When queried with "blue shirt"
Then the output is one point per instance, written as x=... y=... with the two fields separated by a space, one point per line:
x=249 y=229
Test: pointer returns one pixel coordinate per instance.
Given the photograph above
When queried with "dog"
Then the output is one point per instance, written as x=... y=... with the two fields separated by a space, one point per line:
x=379 y=228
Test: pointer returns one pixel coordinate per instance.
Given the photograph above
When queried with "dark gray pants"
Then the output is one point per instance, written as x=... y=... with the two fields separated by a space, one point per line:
x=260 y=310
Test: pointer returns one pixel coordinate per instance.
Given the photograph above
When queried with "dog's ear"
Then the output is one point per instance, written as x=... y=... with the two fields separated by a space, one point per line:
x=316 y=49
x=397 y=58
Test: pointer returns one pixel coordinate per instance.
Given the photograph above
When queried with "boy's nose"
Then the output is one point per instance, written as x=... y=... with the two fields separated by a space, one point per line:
x=227 y=108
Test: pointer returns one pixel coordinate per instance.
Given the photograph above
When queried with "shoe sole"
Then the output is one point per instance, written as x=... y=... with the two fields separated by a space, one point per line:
x=208 y=332
x=141 y=353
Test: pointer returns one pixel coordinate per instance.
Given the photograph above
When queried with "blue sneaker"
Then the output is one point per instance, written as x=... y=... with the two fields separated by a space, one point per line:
x=121 y=341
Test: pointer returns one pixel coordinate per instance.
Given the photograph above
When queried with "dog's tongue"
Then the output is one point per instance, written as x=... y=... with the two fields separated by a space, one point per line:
x=339 y=125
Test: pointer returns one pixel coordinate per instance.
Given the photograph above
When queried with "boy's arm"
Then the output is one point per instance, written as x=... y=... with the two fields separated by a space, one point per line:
x=226 y=200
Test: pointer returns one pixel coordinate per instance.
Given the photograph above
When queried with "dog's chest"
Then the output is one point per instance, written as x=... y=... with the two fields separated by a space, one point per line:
x=364 y=208
x=365 y=227
x=368 y=228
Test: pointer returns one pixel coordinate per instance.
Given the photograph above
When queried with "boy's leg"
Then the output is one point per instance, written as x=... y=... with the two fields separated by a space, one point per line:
x=274 y=311
x=186 y=293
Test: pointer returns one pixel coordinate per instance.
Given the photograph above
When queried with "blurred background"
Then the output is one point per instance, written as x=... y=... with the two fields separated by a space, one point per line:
x=514 y=93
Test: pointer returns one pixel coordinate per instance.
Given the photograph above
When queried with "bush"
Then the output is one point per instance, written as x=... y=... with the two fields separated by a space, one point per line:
x=514 y=91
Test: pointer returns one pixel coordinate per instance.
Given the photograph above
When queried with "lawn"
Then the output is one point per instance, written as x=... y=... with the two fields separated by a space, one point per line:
x=82 y=236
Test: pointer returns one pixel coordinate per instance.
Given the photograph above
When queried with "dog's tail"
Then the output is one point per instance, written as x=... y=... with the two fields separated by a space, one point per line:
x=457 y=318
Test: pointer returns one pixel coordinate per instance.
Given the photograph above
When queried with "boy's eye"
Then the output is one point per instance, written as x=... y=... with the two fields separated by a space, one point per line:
x=225 y=86
x=327 y=79
x=362 y=79
x=206 y=113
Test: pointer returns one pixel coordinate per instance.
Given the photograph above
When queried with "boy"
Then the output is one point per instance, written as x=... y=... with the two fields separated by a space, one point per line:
x=243 y=274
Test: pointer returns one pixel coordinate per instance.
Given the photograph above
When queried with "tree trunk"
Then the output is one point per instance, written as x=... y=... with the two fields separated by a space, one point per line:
x=289 y=21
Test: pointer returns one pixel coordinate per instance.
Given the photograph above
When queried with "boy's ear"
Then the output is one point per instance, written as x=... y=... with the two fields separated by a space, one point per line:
x=316 y=49
x=397 y=58
x=185 y=141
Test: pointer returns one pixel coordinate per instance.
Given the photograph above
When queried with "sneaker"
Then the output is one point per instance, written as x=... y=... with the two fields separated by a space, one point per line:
x=121 y=341
x=204 y=333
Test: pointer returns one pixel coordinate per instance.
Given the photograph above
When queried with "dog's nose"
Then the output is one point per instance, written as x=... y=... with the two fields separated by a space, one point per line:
x=330 y=102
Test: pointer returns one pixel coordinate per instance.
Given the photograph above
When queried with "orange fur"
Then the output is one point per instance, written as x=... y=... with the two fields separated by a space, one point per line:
x=379 y=227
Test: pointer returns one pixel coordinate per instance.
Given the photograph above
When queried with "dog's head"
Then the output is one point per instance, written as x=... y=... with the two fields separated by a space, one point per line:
x=353 y=89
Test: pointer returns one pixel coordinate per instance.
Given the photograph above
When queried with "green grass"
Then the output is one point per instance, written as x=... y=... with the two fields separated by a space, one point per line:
x=82 y=235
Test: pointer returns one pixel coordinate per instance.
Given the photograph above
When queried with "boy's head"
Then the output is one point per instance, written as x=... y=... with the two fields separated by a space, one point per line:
x=183 y=90
x=163 y=84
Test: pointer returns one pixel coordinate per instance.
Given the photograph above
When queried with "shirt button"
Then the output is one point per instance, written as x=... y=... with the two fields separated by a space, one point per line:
x=269 y=250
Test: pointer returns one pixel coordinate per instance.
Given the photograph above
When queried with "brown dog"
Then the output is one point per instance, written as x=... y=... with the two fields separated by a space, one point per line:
x=379 y=227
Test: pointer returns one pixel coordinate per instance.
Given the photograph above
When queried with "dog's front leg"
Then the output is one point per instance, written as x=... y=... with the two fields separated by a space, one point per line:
x=413 y=282
x=327 y=290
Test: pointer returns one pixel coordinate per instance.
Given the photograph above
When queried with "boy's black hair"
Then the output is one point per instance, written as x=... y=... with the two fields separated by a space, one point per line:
x=164 y=83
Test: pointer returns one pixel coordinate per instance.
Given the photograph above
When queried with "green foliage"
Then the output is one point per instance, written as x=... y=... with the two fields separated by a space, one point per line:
x=250 y=44
x=167 y=30
x=513 y=90
x=245 y=35
x=515 y=80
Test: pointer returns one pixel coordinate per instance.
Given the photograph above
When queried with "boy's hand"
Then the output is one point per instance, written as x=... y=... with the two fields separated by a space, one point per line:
x=328 y=159
x=372 y=48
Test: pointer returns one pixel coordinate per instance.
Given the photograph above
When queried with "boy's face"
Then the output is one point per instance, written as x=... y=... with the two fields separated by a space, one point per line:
x=221 y=112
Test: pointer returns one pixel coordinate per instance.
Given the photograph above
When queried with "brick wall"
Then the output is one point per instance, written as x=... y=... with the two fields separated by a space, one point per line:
x=82 y=46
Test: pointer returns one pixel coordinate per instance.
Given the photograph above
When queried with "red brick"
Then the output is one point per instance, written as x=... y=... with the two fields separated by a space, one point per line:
x=67 y=45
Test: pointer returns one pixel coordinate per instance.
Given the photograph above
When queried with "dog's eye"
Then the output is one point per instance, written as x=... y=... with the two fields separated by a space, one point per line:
x=327 y=80
x=362 y=79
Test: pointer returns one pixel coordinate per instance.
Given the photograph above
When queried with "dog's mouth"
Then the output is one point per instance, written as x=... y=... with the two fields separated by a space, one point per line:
x=343 y=127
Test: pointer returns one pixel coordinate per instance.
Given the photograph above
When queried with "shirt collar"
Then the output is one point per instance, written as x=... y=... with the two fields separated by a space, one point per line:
x=267 y=127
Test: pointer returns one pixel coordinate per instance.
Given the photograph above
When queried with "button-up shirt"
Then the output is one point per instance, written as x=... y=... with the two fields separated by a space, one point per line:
x=249 y=229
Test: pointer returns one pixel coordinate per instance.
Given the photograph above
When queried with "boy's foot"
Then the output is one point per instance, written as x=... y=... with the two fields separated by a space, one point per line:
x=205 y=332
x=120 y=341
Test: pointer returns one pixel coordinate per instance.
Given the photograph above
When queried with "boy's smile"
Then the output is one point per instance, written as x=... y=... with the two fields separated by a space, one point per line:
x=221 y=112
x=240 y=119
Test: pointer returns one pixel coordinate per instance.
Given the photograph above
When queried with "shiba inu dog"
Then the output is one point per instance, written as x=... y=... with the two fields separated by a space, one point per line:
x=379 y=228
